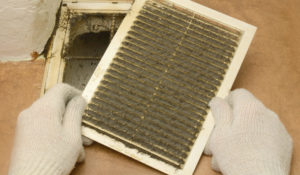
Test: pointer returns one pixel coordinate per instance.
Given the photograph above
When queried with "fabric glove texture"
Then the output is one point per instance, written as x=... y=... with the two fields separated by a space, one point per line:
x=248 y=138
x=48 y=136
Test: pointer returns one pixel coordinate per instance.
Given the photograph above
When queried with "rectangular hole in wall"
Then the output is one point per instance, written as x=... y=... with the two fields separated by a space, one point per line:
x=88 y=37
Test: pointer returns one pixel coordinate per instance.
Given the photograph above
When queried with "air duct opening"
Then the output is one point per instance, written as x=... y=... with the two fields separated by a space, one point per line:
x=89 y=36
x=89 y=45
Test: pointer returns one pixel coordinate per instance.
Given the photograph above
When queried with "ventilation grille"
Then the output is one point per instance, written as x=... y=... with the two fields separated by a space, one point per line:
x=154 y=96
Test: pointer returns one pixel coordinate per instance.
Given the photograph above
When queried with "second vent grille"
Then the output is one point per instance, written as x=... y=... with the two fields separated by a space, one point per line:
x=154 y=96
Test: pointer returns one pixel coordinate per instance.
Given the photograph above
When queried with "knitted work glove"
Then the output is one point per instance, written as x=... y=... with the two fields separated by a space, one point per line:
x=248 y=138
x=48 y=135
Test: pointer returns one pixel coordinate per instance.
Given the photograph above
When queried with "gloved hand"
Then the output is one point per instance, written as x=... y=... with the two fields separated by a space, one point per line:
x=248 y=138
x=48 y=136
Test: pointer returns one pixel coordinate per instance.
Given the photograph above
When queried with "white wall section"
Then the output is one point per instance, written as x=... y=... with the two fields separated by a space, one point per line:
x=25 y=27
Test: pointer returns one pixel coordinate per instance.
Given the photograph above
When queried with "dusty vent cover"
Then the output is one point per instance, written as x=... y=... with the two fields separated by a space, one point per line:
x=149 y=95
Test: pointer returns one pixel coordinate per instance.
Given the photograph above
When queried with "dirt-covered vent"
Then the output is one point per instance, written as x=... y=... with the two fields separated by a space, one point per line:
x=154 y=95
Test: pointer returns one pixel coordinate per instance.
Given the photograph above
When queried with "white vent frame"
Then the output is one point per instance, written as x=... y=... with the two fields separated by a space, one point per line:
x=247 y=31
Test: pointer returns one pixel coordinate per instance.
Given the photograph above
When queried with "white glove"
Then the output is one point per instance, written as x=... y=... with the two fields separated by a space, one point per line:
x=48 y=136
x=248 y=138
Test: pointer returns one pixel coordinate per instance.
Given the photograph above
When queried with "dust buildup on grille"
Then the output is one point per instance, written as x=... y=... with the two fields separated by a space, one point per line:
x=154 y=96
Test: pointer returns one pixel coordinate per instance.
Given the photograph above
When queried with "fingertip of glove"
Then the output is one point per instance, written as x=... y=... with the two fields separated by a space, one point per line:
x=86 y=141
x=207 y=150
x=214 y=164
x=215 y=101
x=73 y=114
x=221 y=111
x=64 y=90
x=81 y=156
x=77 y=104
x=242 y=98
x=240 y=94
x=79 y=100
